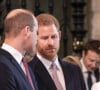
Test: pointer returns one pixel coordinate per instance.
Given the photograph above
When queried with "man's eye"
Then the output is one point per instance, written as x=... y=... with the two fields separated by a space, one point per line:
x=54 y=37
x=44 y=38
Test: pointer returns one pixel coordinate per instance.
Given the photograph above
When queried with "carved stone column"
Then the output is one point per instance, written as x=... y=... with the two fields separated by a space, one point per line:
x=78 y=31
x=23 y=3
x=51 y=6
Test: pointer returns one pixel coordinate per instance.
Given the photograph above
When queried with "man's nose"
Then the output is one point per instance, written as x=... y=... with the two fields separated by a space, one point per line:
x=50 y=41
x=94 y=65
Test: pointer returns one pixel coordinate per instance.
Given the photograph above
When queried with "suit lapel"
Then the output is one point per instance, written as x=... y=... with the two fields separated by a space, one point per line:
x=21 y=72
x=96 y=72
x=14 y=64
x=33 y=79
x=44 y=75
x=67 y=74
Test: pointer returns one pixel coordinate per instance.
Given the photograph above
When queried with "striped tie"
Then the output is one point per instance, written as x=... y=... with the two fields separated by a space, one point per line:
x=53 y=69
x=27 y=73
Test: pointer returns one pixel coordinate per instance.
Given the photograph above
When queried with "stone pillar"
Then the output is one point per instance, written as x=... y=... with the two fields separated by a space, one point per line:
x=95 y=24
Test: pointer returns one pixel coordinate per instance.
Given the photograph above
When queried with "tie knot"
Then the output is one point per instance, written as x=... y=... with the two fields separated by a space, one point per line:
x=53 y=66
x=24 y=60
x=89 y=73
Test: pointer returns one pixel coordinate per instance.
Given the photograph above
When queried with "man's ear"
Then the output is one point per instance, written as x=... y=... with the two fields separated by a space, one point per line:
x=83 y=53
x=59 y=34
x=27 y=30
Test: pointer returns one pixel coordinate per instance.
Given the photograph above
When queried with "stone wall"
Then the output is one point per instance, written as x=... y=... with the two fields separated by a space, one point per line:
x=95 y=20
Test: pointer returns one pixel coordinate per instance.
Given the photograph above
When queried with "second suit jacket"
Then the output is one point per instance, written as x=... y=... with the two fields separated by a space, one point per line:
x=12 y=76
x=96 y=72
x=72 y=75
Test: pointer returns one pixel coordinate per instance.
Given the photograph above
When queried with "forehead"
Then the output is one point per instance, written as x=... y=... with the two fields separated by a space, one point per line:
x=93 y=55
x=90 y=52
x=43 y=29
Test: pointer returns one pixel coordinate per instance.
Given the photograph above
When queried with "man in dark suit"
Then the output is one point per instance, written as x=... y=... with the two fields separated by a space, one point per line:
x=68 y=76
x=90 y=57
x=20 y=27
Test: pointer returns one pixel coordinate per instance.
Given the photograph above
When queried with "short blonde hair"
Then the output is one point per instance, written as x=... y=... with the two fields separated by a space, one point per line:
x=18 y=19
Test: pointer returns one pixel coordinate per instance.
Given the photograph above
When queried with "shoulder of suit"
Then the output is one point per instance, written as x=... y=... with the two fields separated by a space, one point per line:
x=70 y=66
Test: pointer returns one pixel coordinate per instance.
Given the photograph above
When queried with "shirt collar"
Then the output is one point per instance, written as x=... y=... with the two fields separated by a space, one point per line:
x=15 y=53
x=84 y=69
x=47 y=63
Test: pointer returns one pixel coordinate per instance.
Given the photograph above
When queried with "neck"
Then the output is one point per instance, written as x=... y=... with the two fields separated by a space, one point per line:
x=16 y=45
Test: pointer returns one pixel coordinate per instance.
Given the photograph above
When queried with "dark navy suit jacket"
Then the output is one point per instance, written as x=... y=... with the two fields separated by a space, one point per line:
x=97 y=75
x=72 y=75
x=12 y=76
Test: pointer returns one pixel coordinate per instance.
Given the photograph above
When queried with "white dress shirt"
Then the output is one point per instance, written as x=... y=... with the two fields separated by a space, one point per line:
x=47 y=64
x=15 y=53
x=96 y=86
x=85 y=74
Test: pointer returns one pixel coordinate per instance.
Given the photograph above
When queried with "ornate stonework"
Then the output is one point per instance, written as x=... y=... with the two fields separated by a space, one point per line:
x=95 y=33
